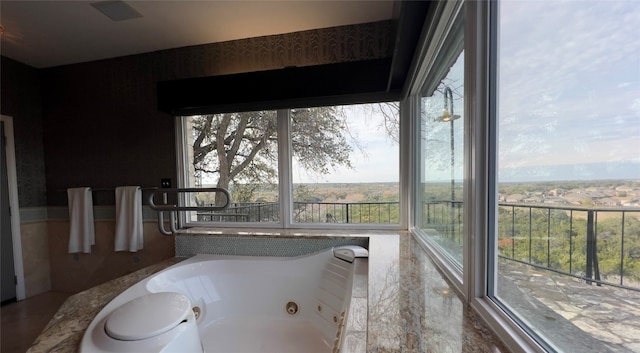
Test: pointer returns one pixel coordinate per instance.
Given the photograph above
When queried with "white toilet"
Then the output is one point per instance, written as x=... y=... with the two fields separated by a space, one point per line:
x=155 y=322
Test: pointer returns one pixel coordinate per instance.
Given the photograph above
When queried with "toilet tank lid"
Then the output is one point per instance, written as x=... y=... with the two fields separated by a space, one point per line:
x=148 y=316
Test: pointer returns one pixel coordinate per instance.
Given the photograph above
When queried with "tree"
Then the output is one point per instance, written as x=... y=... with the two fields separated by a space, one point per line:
x=242 y=147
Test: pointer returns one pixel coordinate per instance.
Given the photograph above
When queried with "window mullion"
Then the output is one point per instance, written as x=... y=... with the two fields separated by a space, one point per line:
x=476 y=152
x=480 y=257
x=409 y=159
x=284 y=167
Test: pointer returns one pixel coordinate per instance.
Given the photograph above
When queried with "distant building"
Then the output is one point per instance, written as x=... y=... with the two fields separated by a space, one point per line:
x=594 y=195
x=532 y=200
x=555 y=200
x=575 y=199
x=631 y=203
x=514 y=198
x=608 y=202
x=557 y=192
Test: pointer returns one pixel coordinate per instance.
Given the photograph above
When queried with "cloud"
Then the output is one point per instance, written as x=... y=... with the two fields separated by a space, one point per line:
x=569 y=75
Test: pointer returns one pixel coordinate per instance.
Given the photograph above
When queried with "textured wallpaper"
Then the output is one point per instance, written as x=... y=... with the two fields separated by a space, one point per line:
x=99 y=120
x=20 y=99
x=313 y=47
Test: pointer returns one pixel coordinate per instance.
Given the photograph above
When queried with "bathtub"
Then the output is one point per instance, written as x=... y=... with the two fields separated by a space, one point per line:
x=248 y=304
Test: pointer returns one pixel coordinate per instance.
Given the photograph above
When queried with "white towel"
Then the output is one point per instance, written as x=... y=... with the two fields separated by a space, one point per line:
x=129 y=219
x=81 y=229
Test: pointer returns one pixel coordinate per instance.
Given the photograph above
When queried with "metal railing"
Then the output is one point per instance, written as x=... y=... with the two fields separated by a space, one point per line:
x=445 y=217
x=335 y=212
x=244 y=212
x=598 y=245
x=309 y=212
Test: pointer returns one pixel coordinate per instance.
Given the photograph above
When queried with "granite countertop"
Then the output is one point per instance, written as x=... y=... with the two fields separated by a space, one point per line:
x=411 y=308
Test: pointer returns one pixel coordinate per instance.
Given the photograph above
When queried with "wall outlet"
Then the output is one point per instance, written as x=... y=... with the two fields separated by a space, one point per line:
x=165 y=183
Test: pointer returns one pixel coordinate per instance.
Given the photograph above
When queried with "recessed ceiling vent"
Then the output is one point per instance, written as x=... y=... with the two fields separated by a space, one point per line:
x=116 y=10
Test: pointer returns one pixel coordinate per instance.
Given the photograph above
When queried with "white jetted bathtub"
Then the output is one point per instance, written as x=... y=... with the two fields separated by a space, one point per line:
x=215 y=303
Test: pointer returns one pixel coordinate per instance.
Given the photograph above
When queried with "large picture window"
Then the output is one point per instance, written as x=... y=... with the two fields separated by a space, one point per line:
x=440 y=207
x=354 y=183
x=237 y=152
x=439 y=194
x=330 y=166
x=542 y=219
x=567 y=164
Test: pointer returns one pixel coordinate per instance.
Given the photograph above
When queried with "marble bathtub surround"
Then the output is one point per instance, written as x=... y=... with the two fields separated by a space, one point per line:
x=410 y=307
x=261 y=243
x=64 y=332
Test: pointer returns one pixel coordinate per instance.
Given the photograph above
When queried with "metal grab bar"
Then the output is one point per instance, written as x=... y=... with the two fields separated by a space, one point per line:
x=174 y=209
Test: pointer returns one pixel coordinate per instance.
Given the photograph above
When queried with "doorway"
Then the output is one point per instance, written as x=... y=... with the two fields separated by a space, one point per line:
x=12 y=280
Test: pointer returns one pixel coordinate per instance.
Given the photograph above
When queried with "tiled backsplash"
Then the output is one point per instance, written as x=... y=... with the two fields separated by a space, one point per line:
x=189 y=245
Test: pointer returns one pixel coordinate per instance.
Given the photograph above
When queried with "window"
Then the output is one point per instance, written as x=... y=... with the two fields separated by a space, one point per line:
x=560 y=119
x=341 y=165
x=358 y=180
x=568 y=130
x=440 y=208
x=439 y=205
x=238 y=152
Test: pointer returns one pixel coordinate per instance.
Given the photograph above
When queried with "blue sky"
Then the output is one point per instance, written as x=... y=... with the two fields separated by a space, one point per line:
x=375 y=160
x=569 y=82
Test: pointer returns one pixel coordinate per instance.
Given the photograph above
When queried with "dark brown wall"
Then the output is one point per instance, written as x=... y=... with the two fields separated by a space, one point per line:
x=97 y=124
x=20 y=98
x=102 y=127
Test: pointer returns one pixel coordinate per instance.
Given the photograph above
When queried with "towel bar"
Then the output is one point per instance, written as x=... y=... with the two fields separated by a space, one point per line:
x=173 y=209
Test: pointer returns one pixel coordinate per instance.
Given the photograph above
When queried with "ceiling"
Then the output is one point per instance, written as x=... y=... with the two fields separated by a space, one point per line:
x=52 y=33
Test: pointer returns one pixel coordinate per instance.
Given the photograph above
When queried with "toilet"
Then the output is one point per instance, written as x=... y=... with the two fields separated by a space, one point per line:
x=155 y=322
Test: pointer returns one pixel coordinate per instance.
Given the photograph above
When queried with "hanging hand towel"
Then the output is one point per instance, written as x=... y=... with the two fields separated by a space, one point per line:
x=81 y=230
x=129 y=219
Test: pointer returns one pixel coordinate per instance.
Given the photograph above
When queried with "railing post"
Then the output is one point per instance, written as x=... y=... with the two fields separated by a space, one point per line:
x=452 y=215
x=513 y=232
x=549 y=238
x=622 y=252
x=592 y=250
x=571 y=241
x=530 y=232
x=347 y=213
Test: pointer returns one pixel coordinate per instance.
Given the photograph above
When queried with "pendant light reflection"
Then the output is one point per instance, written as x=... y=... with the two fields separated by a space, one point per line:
x=448 y=98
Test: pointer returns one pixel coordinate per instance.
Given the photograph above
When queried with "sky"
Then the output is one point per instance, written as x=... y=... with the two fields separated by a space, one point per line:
x=375 y=158
x=569 y=82
x=569 y=94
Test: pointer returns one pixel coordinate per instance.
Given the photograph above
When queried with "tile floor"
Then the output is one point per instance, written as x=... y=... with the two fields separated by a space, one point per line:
x=22 y=322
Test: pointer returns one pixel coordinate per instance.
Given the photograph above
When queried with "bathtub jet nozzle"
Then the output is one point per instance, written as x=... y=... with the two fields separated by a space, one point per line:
x=291 y=308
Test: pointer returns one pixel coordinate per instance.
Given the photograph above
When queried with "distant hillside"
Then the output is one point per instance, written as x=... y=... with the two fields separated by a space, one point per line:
x=628 y=170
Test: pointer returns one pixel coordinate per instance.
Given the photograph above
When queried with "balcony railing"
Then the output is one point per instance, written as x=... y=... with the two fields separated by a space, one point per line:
x=327 y=212
x=309 y=212
x=598 y=245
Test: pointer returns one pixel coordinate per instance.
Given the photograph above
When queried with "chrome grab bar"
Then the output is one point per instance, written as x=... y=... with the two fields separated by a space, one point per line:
x=174 y=209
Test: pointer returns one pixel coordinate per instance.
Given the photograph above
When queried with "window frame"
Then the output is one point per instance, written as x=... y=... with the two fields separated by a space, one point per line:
x=285 y=184
x=480 y=182
x=481 y=45
x=441 y=22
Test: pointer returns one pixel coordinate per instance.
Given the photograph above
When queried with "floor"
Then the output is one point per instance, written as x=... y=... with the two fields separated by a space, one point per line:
x=22 y=322
x=574 y=315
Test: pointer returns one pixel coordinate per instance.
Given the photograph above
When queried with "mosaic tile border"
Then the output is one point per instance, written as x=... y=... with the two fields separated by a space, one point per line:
x=249 y=246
